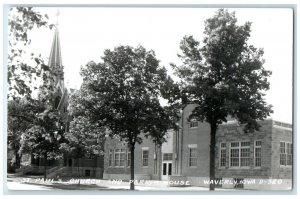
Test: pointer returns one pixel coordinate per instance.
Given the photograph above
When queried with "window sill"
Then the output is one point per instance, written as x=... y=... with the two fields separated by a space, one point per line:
x=235 y=168
x=285 y=166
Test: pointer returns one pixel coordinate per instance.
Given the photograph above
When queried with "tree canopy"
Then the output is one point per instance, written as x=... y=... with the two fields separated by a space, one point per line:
x=225 y=76
x=45 y=132
x=83 y=139
x=122 y=94
x=22 y=73
x=20 y=118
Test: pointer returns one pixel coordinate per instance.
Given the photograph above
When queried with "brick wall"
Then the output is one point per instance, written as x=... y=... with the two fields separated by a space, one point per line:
x=192 y=136
x=152 y=170
x=280 y=134
x=269 y=135
x=73 y=172
x=232 y=133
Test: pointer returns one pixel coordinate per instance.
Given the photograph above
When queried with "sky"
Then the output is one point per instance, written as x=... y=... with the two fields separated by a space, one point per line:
x=86 y=32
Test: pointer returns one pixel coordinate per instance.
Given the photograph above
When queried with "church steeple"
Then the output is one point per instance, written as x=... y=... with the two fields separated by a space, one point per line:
x=55 y=65
x=55 y=60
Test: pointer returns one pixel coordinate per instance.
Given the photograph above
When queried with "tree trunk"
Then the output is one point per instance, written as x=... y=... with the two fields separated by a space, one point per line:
x=18 y=159
x=132 y=166
x=45 y=166
x=78 y=171
x=213 y=129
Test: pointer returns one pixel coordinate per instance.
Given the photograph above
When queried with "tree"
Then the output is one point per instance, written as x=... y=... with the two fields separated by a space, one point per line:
x=121 y=94
x=20 y=114
x=46 y=132
x=23 y=73
x=225 y=77
x=84 y=139
x=45 y=135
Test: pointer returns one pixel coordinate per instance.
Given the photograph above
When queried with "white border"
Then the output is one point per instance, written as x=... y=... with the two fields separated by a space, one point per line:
x=2 y=106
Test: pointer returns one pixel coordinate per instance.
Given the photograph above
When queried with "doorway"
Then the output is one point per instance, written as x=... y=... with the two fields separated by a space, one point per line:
x=166 y=170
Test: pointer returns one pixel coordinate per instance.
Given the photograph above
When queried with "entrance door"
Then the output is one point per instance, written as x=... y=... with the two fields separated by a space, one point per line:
x=166 y=170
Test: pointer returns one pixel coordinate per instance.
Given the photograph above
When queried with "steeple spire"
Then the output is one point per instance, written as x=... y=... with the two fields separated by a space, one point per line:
x=57 y=14
x=55 y=60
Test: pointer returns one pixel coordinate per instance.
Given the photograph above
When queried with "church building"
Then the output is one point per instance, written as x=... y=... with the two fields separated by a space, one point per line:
x=260 y=160
x=68 y=166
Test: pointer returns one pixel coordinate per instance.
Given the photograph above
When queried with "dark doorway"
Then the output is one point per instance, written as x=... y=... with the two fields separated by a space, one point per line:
x=87 y=173
x=164 y=169
x=170 y=169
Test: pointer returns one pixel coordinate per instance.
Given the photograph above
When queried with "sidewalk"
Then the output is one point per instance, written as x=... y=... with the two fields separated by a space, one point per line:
x=36 y=183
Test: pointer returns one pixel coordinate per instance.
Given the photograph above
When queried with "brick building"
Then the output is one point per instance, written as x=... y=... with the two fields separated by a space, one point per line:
x=259 y=160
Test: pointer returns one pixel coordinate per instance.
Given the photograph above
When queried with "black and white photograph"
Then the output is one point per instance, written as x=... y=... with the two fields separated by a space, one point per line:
x=149 y=98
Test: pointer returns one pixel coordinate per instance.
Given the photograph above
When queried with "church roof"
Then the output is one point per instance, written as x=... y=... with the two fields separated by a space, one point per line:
x=55 y=53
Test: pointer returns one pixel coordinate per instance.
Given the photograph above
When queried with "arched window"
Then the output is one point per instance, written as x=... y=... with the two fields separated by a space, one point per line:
x=57 y=100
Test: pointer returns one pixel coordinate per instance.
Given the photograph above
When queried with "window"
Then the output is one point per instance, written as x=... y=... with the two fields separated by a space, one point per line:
x=193 y=157
x=222 y=154
x=285 y=153
x=119 y=157
x=234 y=154
x=193 y=124
x=239 y=154
x=110 y=158
x=128 y=158
x=167 y=156
x=289 y=154
x=282 y=153
x=257 y=154
x=245 y=154
x=57 y=100
x=145 y=158
x=122 y=158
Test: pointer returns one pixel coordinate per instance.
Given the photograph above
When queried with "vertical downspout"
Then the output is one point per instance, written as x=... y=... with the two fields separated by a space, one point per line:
x=181 y=140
